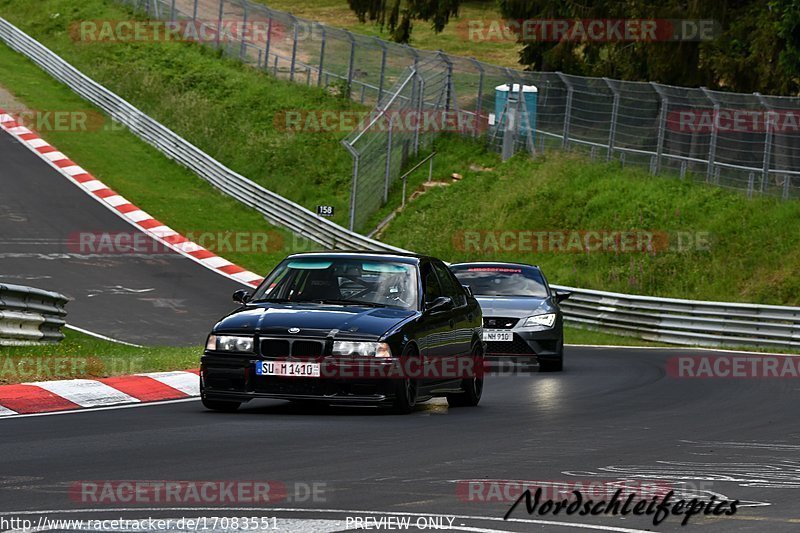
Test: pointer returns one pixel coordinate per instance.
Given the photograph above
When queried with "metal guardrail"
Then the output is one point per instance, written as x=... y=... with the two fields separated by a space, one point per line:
x=689 y=322
x=658 y=319
x=275 y=208
x=30 y=316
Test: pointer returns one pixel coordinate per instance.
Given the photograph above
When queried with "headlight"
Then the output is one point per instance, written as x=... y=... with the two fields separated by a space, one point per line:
x=230 y=343
x=366 y=349
x=546 y=320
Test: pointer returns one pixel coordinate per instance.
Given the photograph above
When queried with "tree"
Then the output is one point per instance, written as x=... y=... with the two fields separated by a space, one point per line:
x=398 y=15
x=756 y=47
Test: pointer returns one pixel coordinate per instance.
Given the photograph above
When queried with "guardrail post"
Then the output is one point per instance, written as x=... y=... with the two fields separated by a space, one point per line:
x=612 y=129
x=351 y=62
x=294 y=47
x=711 y=177
x=388 y=161
x=383 y=68
x=655 y=165
x=567 y=110
x=219 y=22
x=768 y=139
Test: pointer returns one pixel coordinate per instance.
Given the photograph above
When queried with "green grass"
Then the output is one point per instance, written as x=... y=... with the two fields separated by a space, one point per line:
x=753 y=254
x=80 y=356
x=453 y=40
x=229 y=110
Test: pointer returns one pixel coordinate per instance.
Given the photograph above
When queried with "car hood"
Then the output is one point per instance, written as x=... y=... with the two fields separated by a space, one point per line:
x=516 y=307
x=313 y=320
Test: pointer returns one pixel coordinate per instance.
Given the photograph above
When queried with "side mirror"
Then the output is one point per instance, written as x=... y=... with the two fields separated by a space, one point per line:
x=442 y=303
x=468 y=289
x=562 y=295
x=242 y=296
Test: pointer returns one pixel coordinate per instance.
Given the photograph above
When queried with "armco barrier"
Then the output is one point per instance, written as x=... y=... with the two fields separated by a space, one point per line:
x=276 y=209
x=658 y=319
x=688 y=322
x=30 y=316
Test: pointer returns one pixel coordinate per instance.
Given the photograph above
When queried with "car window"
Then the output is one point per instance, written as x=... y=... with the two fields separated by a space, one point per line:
x=341 y=279
x=502 y=280
x=432 y=287
x=450 y=285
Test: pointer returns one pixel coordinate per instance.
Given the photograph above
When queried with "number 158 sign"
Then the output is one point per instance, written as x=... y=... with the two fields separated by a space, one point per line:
x=325 y=210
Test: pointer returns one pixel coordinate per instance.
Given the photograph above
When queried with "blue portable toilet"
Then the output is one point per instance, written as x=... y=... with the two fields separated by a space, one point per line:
x=530 y=99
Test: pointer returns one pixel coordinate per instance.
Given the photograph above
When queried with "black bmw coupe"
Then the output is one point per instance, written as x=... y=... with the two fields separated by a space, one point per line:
x=348 y=328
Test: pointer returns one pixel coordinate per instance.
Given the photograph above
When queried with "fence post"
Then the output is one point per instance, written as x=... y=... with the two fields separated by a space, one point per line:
x=354 y=185
x=172 y=11
x=388 y=161
x=383 y=69
x=351 y=62
x=269 y=41
x=294 y=47
x=321 y=55
x=567 y=110
x=194 y=10
x=712 y=145
x=420 y=104
x=655 y=165
x=219 y=21
x=243 y=48
x=450 y=90
x=612 y=129
x=479 y=103
x=768 y=139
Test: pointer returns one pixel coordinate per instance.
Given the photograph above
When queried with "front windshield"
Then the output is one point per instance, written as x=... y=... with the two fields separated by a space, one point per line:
x=486 y=280
x=342 y=280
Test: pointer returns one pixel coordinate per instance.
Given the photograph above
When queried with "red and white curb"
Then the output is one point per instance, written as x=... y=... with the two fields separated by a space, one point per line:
x=122 y=207
x=50 y=396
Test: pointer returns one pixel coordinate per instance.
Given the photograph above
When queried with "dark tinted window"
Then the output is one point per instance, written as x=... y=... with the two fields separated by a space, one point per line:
x=505 y=280
x=431 y=283
x=450 y=284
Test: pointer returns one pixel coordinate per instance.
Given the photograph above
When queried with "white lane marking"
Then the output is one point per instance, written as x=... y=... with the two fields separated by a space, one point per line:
x=678 y=347
x=37 y=143
x=86 y=392
x=55 y=156
x=138 y=215
x=107 y=408
x=99 y=336
x=339 y=511
x=186 y=382
x=6 y=412
x=217 y=261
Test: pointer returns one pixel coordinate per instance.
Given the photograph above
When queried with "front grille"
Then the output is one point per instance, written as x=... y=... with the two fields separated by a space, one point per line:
x=300 y=348
x=499 y=322
x=515 y=347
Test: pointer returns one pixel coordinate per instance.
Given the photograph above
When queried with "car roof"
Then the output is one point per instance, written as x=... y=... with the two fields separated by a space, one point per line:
x=494 y=263
x=410 y=258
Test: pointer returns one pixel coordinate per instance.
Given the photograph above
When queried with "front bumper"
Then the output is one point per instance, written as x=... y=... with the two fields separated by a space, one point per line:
x=527 y=347
x=233 y=378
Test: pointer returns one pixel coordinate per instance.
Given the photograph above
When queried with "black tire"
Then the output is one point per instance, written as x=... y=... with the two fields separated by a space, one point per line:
x=219 y=405
x=405 y=396
x=473 y=386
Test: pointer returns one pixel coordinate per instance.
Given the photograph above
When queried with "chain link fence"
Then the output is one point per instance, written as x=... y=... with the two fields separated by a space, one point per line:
x=747 y=142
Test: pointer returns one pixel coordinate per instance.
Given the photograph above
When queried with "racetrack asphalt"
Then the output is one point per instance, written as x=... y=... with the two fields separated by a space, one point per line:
x=614 y=414
x=158 y=298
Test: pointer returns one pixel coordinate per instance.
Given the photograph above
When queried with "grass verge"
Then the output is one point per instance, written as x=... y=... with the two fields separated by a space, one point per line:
x=80 y=356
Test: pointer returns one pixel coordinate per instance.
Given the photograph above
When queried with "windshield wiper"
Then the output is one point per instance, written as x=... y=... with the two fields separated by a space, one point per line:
x=349 y=302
